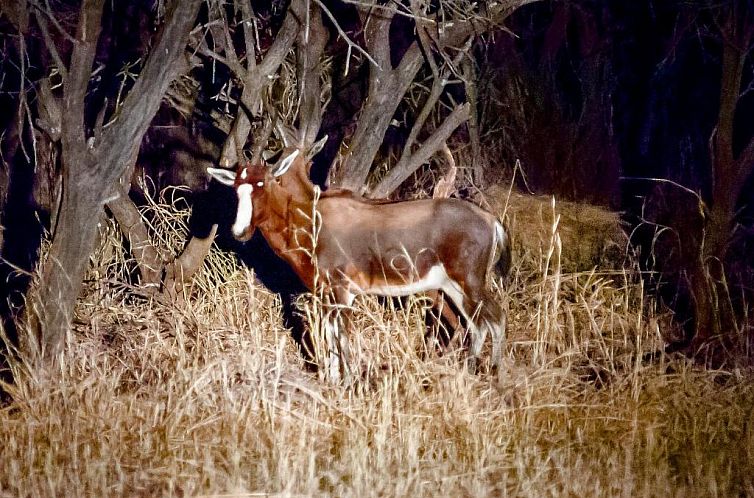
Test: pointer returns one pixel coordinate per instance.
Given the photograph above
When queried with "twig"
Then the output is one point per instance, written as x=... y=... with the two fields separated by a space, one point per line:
x=663 y=180
x=62 y=69
x=55 y=22
x=345 y=37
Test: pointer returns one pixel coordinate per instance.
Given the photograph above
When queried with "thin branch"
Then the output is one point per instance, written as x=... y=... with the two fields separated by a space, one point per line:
x=50 y=44
x=392 y=10
x=396 y=176
x=47 y=11
x=438 y=85
x=424 y=41
x=205 y=50
x=248 y=37
x=230 y=52
x=343 y=34
x=663 y=180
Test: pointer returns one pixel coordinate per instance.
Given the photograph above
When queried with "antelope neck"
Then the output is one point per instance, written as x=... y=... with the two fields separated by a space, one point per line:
x=279 y=215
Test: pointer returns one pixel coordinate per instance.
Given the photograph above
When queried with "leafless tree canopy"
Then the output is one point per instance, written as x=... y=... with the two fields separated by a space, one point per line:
x=115 y=100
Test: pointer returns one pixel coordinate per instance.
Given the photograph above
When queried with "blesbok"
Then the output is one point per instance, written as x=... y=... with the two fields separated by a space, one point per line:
x=296 y=179
x=352 y=247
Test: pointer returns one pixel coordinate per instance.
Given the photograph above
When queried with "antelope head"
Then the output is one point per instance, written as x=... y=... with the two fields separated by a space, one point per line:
x=250 y=182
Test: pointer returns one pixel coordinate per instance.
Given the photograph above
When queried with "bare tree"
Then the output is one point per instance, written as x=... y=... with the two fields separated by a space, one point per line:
x=254 y=77
x=388 y=83
x=93 y=164
x=729 y=173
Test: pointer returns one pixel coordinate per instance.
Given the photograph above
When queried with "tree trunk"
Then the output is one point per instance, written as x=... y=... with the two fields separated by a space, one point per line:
x=472 y=96
x=91 y=169
x=67 y=259
x=729 y=174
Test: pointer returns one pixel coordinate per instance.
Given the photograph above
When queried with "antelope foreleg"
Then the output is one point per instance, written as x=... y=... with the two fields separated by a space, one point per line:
x=333 y=340
x=336 y=330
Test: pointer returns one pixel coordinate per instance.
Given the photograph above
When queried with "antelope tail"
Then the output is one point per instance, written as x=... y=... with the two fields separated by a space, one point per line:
x=500 y=255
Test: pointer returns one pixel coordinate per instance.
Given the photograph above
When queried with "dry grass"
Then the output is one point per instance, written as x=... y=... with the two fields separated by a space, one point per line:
x=211 y=398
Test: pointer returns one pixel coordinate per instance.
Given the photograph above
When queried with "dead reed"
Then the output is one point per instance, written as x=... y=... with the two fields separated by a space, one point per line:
x=210 y=398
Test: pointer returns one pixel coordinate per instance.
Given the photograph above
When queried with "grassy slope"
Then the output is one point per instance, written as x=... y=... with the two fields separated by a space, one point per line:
x=210 y=398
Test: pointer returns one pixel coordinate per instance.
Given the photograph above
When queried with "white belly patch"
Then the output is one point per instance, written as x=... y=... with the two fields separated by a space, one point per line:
x=435 y=279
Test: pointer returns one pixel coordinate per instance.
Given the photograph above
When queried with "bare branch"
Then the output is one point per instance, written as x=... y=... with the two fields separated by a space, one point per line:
x=438 y=85
x=204 y=50
x=179 y=272
x=344 y=35
x=284 y=39
x=248 y=36
x=398 y=174
x=392 y=8
x=144 y=98
x=387 y=86
x=255 y=79
x=79 y=71
x=129 y=220
x=311 y=46
x=421 y=32
x=377 y=37
x=230 y=51
x=50 y=44
x=47 y=11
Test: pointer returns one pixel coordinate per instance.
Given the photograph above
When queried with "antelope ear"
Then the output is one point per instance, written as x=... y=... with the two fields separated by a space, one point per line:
x=285 y=163
x=314 y=150
x=224 y=176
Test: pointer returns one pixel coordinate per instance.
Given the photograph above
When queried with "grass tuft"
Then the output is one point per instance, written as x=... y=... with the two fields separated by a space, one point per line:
x=211 y=399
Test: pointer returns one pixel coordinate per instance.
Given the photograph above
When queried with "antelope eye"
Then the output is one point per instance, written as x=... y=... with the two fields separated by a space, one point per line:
x=260 y=184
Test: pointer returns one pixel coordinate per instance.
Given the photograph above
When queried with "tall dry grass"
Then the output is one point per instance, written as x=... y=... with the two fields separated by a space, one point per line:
x=210 y=398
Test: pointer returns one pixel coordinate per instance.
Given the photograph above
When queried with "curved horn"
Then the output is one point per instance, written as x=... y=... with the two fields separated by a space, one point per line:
x=283 y=166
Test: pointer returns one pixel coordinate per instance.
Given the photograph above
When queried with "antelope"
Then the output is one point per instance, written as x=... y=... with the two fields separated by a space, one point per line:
x=297 y=181
x=345 y=246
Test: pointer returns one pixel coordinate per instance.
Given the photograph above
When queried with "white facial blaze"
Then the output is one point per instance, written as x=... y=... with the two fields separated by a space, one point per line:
x=245 y=210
